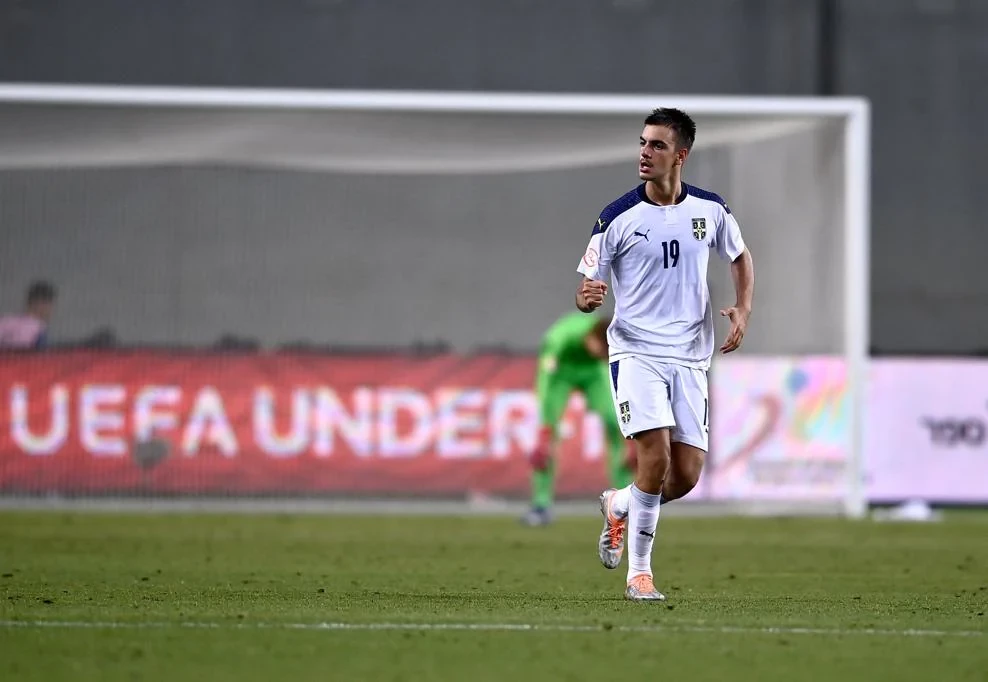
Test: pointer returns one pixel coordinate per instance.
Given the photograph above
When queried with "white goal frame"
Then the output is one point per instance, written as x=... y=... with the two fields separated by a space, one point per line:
x=854 y=114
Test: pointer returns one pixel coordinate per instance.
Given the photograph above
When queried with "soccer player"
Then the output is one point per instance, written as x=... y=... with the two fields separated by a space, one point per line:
x=653 y=244
x=573 y=357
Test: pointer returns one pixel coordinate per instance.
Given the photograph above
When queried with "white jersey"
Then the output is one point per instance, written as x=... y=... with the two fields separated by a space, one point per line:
x=656 y=260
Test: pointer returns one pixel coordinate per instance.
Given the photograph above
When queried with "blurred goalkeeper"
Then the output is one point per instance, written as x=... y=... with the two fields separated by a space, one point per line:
x=573 y=357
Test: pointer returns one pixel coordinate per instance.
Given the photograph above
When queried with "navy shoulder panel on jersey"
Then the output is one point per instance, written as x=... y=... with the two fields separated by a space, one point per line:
x=624 y=203
x=709 y=196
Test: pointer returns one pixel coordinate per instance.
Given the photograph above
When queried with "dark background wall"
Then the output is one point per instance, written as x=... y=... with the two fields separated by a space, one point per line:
x=922 y=63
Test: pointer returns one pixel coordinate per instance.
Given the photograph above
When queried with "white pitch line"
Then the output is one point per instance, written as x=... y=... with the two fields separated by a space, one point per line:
x=491 y=627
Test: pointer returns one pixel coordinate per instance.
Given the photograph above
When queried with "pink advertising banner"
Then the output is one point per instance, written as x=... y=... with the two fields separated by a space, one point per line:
x=778 y=429
x=926 y=430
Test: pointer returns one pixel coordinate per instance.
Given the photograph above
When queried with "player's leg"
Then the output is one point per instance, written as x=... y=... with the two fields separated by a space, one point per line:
x=597 y=393
x=691 y=410
x=645 y=496
x=685 y=466
x=553 y=388
x=641 y=394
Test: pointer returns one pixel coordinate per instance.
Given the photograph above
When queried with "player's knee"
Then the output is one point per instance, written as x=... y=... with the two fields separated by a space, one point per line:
x=689 y=468
x=652 y=460
x=684 y=471
x=677 y=486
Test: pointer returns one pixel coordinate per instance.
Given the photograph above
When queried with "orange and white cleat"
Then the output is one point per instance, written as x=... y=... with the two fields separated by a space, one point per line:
x=641 y=588
x=611 y=544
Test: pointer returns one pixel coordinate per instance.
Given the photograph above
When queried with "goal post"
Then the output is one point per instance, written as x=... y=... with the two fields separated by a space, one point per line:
x=522 y=174
x=857 y=298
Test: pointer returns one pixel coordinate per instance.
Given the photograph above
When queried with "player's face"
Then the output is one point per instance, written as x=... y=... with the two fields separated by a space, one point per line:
x=42 y=309
x=596 y=346
x=658 y=154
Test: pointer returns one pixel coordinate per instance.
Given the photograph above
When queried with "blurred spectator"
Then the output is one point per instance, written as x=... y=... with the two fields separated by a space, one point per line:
x=29 y=329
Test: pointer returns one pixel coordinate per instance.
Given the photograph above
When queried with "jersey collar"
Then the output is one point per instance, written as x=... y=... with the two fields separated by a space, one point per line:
x=685 y=192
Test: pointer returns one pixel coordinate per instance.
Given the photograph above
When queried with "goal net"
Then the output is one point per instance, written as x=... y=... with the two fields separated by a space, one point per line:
x=368 y=228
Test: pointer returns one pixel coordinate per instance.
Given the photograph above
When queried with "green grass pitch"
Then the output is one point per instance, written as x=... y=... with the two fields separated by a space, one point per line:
x=100 y=596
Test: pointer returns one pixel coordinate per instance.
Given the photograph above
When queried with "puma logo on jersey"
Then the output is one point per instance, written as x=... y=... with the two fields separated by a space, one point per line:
x=645 y=235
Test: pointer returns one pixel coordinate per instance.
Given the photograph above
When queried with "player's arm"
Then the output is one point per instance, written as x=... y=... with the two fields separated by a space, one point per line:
x=743 y=274
x=730 y=246
x=595 y=266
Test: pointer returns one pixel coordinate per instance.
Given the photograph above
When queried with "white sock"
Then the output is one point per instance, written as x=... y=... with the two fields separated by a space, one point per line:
x=620 y=502
x=643 y=517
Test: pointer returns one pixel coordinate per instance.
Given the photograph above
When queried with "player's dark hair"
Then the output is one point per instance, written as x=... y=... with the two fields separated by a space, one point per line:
x=40 y=292
x=677 y=121
x=600 y=329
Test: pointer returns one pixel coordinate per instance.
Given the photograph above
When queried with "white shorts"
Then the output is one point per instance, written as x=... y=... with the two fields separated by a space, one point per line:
x=651 y=394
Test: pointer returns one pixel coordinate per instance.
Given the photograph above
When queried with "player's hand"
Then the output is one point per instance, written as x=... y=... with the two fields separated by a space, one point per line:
x=593 y=292
x=739 y=324
x=541 y=457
